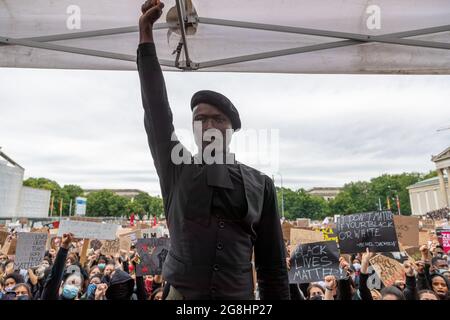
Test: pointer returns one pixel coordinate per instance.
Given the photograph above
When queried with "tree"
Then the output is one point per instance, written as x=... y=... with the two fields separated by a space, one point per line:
x=300 y=204
x=70 y=192
x=105 y=203
x=151 y=205
x=134 y=207
x=354 y=197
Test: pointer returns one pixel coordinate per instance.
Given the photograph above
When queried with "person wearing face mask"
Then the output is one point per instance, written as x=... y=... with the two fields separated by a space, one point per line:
x=10 y=281
x=37 y=276
x=22 y=292
x=52 y=285
x=102 y=261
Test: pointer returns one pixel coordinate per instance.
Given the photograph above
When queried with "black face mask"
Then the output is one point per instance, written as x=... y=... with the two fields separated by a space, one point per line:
x=316 y=297
x=23 y=298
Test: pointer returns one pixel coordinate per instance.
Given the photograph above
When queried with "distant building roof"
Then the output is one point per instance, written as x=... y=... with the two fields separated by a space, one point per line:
x=118 y=191
x=427 y=182
x=325 y=191
x=9 y=160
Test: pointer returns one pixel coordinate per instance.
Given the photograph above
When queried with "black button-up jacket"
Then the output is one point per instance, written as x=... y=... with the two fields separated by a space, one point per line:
x=217 y=215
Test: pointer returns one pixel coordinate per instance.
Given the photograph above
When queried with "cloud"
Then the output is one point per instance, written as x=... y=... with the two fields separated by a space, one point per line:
x=86 y=127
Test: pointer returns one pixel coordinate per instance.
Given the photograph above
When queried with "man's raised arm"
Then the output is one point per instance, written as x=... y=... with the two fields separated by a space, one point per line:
x=158 y=116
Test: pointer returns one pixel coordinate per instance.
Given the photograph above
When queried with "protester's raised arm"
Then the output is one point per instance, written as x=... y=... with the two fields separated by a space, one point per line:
x=51 y=286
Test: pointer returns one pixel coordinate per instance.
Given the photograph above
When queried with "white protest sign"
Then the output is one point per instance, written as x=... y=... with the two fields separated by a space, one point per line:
x=88 y=230
x=30 y=250
x=156 y=232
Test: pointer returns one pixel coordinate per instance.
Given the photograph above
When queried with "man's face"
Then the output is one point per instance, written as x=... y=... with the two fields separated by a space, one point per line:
x=441 y=264
x=209 y=117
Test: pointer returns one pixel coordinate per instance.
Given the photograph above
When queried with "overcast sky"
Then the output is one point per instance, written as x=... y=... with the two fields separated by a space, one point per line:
x=86 y=127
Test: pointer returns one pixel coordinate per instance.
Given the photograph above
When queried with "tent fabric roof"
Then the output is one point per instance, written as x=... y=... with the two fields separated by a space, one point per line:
x=40 y=34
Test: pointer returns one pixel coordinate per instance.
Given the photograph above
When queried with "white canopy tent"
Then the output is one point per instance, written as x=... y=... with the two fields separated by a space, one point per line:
x=289 y=36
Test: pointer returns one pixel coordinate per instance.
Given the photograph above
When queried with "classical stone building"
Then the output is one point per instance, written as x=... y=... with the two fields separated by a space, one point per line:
x=328 y=193
x=433 y=193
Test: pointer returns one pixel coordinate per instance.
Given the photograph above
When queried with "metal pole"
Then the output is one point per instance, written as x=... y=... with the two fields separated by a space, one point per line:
x=70 y=208
x=398 y=204
x=282 y=196
x=183 y=31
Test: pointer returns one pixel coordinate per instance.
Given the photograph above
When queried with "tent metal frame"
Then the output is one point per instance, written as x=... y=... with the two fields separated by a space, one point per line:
x=347 y=39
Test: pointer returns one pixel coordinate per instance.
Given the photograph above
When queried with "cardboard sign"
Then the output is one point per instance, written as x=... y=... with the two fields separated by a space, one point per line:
x=389 y=270
x=407 y=229
x=152 y=253
x=373 y=230
x=156 y=232
x=424 y=237
x=428 y=224
x=286 y=229
x=302 y=236
x=445 y=241
x=9 y=247
x=125 y=243
x=88 y=230
x=3 y=236
x=302 y=222
x=373 y=281
x=414 y=253
x=110 y=247
x=30 y=249
x=313 y=261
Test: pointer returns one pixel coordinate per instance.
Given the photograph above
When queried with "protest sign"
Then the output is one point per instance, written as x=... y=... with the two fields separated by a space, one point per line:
x=125 y=243
x=328 y=234
x=414 y=253
x=3 y=236
x=110 y=247
x=88 y=230
x=373 y=281
x=286 y=229
x=302 y=222
x=313 y=261
x=155 y=232
x=428 y=224
x=30 y=249
x=407 y=229
x=373 y=230
x=152 y=253
x=424 y=237
x=304 y=236
x=84 y=249
x=9 y=247
x=95 y=244
x=389 y=270
x=446 y=241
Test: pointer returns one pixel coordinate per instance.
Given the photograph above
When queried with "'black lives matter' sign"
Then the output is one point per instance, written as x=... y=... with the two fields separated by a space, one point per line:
x=313 y=261
x=373 y=230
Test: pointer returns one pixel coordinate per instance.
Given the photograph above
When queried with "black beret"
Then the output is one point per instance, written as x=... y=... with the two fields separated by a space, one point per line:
x=219 y=101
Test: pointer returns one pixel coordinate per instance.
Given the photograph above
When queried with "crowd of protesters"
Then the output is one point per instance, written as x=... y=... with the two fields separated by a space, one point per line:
x=438 y=214
x=62 y=276
x=426 y=279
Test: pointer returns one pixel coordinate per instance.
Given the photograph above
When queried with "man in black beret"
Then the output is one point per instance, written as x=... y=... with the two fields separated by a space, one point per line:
x=219 y=213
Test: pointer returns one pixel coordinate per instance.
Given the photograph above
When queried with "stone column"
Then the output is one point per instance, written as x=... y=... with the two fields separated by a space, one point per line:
x=444 y=196
x=448 y=186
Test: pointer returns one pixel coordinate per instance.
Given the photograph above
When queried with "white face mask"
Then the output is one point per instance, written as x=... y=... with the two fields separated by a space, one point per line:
x=357 y=266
